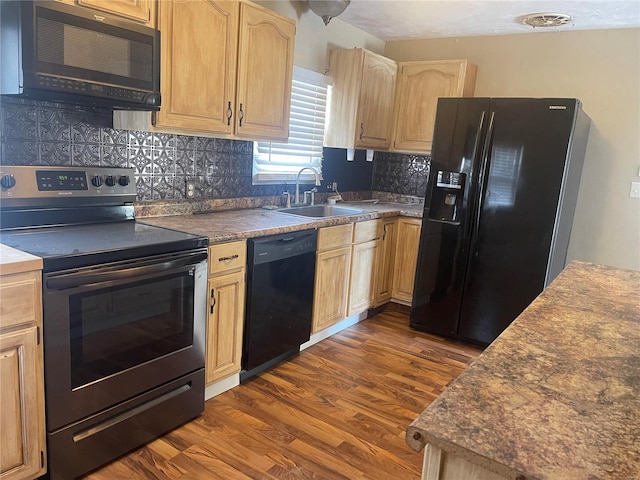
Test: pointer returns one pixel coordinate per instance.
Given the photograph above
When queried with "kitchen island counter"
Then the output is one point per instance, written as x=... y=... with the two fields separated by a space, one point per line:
x=556 y=396
x=229 y=225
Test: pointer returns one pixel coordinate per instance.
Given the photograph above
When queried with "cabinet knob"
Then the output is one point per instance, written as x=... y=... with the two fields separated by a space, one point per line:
x=229 y=113
x=361 y=130
x=241 y=115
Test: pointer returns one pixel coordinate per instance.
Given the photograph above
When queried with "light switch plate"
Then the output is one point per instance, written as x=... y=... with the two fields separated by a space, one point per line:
x=635 y=190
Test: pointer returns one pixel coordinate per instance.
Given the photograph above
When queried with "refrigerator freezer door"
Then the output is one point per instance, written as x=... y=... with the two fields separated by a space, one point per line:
x=445 y=234
x=510 y=250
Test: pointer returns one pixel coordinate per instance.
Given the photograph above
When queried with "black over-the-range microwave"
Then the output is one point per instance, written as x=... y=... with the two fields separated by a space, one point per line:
x=57 y=52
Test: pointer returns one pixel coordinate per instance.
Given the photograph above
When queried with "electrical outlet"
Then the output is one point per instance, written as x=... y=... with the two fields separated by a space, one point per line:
x=635 y=190
x=190 y=188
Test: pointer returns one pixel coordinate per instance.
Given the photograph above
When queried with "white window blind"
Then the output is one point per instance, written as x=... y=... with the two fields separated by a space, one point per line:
x=280 y=162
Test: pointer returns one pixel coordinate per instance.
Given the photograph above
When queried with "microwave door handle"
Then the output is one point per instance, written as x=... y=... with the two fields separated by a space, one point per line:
x=75 y=280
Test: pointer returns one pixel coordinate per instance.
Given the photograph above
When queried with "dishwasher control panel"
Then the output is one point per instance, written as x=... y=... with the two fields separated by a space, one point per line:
x=284 y=245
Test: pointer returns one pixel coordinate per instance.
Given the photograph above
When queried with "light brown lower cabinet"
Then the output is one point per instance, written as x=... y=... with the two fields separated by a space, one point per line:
x=386 y=261
x=331 y=289
x=225 y=319
x=408 y=242
x=22 y=423
x=365 y=253
x=364 y=265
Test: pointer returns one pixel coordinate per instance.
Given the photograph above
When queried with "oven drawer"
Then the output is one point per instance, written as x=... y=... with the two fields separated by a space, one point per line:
x=100 y=438
x=226 y=257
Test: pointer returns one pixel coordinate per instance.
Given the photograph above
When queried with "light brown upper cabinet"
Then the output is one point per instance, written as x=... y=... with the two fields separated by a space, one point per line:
x=363 y=89
x=141 y=11
x=265 y=67
x=420 y=84
x=226 y=71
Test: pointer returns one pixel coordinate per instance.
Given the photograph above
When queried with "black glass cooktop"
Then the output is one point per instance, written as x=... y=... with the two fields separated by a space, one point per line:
x=82 y=245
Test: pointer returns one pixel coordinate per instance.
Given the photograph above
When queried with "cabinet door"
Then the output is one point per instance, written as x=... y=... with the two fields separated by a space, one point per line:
x=386 y=260
x=198 y=70
x=331 y=287
x=142 y=11
x=406 y=259
x=265 y=66
x=420 y=85
x=375 y=105
x=224 y=325
x=363 y=276
x=22 y=435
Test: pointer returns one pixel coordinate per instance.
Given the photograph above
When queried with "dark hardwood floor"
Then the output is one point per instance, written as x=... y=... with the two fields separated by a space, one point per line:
x=339 y=410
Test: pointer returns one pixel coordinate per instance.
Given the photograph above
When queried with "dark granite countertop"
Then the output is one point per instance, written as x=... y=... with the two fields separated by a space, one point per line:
x=230 y=225
x=557 y=395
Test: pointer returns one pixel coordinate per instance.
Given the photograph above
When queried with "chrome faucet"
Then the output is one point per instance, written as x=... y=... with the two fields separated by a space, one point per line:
x=315 y=172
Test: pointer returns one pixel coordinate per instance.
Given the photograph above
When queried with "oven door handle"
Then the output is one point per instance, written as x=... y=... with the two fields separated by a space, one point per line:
x=79 y=279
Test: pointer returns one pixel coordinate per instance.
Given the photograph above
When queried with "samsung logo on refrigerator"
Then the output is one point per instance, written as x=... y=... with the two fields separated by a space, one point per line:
x=557 y=107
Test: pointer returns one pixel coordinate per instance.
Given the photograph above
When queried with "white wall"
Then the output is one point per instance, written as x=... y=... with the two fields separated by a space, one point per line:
x=601 y=68
x=314 y=40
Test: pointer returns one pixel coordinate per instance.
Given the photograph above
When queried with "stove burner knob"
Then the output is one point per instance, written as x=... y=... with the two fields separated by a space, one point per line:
x=96 y=181
x=124 y=180
x=110 y=180
x=8 y=181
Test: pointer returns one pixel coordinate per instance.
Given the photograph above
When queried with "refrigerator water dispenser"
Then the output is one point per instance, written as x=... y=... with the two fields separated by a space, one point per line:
x=446 y=199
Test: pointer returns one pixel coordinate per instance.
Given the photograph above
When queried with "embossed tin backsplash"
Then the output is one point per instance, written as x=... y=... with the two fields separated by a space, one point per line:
x=47 y=133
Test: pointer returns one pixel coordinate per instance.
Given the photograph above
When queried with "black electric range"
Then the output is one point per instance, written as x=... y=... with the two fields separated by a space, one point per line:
x=73 y=217
x=124 y=312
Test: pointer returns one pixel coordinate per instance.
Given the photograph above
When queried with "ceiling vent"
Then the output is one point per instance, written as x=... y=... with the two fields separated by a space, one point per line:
x=546 y=20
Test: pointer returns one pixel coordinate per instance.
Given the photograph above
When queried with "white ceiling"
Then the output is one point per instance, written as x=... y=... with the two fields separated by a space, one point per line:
x=405 y=19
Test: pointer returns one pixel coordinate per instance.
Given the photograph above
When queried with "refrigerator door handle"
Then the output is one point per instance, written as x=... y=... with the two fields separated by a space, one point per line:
x=483 y=170
x=476 y=143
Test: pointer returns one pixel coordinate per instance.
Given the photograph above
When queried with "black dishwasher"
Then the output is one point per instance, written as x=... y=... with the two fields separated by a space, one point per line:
x=279 y=299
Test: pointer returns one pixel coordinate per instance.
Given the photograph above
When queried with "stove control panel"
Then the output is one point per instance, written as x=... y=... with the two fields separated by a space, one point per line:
x=52 y=185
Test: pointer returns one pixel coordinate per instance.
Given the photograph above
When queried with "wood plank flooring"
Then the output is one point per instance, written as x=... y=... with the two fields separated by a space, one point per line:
x=339 y=410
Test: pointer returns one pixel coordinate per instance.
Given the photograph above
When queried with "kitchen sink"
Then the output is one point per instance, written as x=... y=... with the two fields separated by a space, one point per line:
x=319 y=211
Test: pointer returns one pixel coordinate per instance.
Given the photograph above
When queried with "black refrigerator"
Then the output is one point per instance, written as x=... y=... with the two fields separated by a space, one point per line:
x=499 y=205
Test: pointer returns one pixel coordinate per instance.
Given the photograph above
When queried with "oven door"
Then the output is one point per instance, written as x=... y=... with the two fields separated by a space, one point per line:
x=114 y=331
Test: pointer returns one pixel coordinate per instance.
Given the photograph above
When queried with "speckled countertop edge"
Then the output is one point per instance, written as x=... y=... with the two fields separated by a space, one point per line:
x=557 y=395
x=229 y=225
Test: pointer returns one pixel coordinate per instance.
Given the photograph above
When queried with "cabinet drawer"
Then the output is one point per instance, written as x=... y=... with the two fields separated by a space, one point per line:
x=334 y=237
x=367 y=231
x=226 y=257
x=20 y=299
